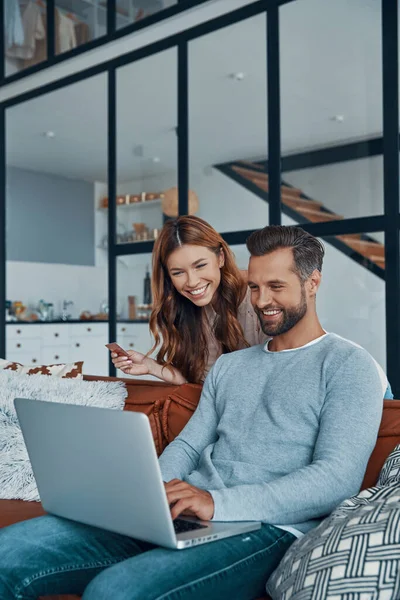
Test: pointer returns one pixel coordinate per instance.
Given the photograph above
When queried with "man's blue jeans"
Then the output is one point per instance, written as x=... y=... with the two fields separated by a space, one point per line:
x=49 y=555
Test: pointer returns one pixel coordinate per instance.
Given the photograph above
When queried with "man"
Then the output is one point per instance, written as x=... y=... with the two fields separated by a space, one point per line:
x=282 y=434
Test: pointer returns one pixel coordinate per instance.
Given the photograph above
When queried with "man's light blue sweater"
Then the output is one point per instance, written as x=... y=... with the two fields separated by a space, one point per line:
x=281 y=437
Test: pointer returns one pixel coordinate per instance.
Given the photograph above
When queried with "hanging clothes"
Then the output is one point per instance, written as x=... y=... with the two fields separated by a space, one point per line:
x=41 y=48
x=82 y=33
x=13 y=28
x=33 y=30
x=66 y=32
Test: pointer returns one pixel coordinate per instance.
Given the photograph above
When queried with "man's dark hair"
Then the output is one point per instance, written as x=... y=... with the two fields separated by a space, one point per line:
x=308 y=251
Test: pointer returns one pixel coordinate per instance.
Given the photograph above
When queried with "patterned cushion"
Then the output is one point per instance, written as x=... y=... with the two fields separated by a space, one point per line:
x=354 y=553
x=390 y=473
x=64 y=370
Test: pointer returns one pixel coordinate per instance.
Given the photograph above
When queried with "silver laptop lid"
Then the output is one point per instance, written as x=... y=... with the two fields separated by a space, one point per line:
x=97 y=466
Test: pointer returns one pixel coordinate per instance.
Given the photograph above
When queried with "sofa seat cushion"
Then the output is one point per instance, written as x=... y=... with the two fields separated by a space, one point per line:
x=13 y=511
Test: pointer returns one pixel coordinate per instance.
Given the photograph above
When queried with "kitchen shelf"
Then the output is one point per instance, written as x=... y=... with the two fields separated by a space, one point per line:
x=156 y=202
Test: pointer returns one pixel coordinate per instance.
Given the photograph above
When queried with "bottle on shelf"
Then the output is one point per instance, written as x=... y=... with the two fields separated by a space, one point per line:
x=147 y=288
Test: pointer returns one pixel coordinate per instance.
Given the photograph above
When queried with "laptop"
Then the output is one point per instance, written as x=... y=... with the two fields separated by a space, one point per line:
x=99 y=466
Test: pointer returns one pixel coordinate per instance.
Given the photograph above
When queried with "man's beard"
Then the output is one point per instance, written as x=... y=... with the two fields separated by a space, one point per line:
x=289 y=317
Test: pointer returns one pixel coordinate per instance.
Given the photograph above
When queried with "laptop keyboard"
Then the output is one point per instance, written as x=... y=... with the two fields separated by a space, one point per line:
x=180 y=526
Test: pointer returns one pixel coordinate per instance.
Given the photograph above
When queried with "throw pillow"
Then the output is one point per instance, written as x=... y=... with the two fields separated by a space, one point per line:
x=355 y=552
x=390 y=473
x=64 y=370
x=16 y=477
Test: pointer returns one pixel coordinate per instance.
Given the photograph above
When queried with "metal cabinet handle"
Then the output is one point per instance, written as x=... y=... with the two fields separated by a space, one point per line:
x=77 y=344
x=18 y=345
x=56 y=334
x=34 y=360
x=131 y=345
x=56 y=357
x=89 y=329
x=18 y=331
x=123 y=329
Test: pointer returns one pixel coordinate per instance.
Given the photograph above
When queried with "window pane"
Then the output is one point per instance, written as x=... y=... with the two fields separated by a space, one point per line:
x=331 y=93
x=228 y=125
x=25 y=34
x=146 y=146
x=56 y=172
x=132 y=11
x=78 y=22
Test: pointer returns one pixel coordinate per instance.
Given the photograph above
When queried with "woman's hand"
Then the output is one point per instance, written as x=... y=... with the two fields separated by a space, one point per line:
x=137 y=364
x=140 y=364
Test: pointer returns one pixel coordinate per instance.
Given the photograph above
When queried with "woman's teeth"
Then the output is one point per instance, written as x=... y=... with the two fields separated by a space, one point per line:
x=198 y=292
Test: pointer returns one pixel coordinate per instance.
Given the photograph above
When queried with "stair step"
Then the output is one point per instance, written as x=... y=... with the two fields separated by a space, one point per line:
x=298 y=202
x=318 y=216
x=377 y=259
x=365 y=247
x=246 y=172
x=261 y=179
x=251 y=164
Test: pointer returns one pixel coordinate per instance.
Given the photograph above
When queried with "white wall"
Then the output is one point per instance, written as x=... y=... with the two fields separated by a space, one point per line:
x=227 y=205
x=351 y=189
x=86 y=286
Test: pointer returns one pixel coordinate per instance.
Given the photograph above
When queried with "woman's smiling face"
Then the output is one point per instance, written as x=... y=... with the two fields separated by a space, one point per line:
x=195 y=272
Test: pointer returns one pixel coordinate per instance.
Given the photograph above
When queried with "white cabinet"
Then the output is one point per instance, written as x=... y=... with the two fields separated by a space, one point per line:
x=87 y=343
x=54 y=343
x=60 y=343
x=23 y=344
x=71 y=342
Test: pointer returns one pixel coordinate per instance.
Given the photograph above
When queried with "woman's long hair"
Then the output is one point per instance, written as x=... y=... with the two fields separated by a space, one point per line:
x=175 y=322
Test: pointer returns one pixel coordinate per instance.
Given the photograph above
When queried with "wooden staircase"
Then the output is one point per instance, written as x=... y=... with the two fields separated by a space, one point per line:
x=361 y=247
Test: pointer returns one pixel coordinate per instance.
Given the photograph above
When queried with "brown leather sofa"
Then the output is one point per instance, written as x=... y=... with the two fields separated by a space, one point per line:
x=169 y=407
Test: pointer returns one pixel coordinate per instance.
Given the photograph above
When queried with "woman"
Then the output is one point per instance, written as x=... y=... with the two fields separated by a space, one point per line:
x=201 y=305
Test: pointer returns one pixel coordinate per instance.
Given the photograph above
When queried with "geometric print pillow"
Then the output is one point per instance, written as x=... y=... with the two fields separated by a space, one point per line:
x=353 y=554
x=390 y=473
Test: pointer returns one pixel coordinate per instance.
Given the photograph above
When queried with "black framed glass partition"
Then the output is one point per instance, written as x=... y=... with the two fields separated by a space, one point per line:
x=25 y=35
x=228 y=124
x=56 y=269
x=35 y=34
x=147 y=146
x=331 y=107
x=135 y=11
x=207 y=124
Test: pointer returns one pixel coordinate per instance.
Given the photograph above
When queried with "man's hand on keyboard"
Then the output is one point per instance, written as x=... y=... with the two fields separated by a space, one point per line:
x=187 y=500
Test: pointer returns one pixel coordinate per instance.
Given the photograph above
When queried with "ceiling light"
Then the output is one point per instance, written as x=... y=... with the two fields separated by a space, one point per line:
x=49 y=134
x=239 y=76
x=338 y=118
x=156 y=159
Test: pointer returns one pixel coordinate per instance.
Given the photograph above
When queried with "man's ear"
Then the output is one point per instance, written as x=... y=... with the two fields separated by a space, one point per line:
x=314 y=281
